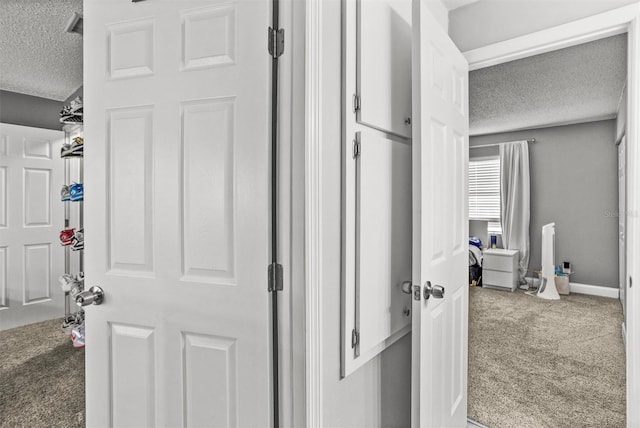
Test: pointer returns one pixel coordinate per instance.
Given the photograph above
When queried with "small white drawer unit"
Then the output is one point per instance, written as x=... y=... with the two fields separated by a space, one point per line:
x=500 y=269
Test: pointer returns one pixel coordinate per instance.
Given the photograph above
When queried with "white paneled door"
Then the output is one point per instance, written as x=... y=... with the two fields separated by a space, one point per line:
x=622 y=222
x=31 y=216
x=176 y=212
x=440 y=261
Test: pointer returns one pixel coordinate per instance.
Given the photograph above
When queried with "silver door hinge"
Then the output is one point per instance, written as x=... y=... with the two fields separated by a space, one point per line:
x=355 y=338
x=356 y=147
x=276 y=42
x=356 y=103
x=275 y=277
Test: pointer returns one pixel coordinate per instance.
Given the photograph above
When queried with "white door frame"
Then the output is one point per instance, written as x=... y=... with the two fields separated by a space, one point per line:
x=313 y=206
x=617 y=21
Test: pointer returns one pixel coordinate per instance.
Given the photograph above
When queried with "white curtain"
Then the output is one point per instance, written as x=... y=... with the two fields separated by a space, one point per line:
x=515 y=200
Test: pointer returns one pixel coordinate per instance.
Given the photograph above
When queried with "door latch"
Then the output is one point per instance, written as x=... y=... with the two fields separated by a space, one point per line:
x=408 y=288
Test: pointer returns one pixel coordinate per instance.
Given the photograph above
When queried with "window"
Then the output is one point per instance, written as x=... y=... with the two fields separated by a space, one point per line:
x=484 y=192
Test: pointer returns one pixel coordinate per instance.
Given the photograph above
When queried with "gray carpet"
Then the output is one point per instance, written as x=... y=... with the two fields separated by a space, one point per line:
x=539 y=363
x=41 y=378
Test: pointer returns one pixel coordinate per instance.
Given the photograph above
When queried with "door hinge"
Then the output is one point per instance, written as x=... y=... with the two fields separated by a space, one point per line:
x=356 y=147
x=276 y=42
x=356 y=103
x=355 y=338
x=275 y=277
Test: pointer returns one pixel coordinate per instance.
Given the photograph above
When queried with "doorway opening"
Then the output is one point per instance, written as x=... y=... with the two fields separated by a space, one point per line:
x=42 y=359
x=567 y=108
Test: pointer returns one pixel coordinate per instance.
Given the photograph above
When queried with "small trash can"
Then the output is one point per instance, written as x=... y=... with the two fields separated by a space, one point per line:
x=562 y=284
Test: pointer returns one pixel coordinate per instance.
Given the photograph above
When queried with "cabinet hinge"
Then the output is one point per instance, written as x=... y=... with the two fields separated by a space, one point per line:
x=356 y=148
x=356 y=103
x=355 y=338
x=275 y=277
x=276 y=42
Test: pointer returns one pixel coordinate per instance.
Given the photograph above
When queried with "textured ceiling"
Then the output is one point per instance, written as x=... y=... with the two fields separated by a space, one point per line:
x=37 y=56
x=571 y=85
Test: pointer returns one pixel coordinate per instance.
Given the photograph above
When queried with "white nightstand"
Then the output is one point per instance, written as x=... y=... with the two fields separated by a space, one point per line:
x=500 y=269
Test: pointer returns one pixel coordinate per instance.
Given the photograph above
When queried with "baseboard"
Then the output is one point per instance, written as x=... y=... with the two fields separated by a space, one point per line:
x=594 y=290
x=624 y=334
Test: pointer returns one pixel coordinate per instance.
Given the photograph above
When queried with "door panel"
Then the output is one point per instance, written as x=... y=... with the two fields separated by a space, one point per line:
x=383 y=237
x=440 y=152
x=176 y=130
x=130 y=168
x=207 y=162
x=384 y=65
x=31 y=216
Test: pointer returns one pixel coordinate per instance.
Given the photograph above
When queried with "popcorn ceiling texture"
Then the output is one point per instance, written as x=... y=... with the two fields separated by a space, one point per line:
x=37 y=57
x=571 y=85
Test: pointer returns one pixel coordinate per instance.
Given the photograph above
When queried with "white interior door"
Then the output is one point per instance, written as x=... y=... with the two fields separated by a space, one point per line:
x=622 y=219
x=440 y=158
x=176 y=212
x=31 y=216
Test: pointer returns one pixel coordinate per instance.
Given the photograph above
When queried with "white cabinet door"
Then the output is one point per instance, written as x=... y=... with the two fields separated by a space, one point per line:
x=31 y=217
x=384 y=65
x=383 y=243
x=440 y=158
x=176 y=212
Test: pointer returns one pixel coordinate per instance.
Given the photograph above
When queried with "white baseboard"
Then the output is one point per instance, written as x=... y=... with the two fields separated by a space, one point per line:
x=624 y=334
x=594 y=290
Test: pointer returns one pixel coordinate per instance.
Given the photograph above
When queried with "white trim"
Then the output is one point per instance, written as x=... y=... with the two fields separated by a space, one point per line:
x=574 y=33
x=624 y=334
x=633 y=227
x=313 y=212
x=291 y=212
x=550 y=125
x=594 y=290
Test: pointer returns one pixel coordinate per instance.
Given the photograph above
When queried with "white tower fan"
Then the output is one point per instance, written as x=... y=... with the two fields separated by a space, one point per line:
x=548 y=288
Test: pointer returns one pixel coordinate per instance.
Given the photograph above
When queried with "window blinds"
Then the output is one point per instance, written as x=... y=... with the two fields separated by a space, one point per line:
x=484 y=189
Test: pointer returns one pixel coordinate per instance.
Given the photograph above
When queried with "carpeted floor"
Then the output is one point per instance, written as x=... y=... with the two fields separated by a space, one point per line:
x=538 y=363
x=41 y=378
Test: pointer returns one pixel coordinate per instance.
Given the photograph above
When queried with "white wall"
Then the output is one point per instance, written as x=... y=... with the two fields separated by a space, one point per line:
x=379 y=393
x=491 y=21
